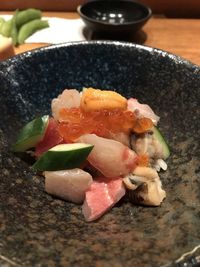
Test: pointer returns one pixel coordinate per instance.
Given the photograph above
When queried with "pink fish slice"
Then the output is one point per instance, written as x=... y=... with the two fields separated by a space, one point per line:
x=101 y=196
x=142 y=110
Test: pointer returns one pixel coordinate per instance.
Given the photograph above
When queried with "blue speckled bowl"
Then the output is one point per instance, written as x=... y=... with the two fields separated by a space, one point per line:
x=39 y=230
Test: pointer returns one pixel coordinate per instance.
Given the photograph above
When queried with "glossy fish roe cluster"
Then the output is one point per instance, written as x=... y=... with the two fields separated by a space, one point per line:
x=74 y=122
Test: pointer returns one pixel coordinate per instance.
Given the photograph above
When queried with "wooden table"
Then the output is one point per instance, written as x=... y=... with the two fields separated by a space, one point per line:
x=178 y=36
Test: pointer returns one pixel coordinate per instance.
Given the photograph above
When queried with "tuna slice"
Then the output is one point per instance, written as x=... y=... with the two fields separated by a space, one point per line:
x=142 y=110
x=68 y=184
x=101 y=196
x=51 y=138
x=110 y=157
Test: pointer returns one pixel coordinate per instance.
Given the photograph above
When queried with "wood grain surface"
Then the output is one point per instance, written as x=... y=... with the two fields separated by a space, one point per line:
x=178 y=36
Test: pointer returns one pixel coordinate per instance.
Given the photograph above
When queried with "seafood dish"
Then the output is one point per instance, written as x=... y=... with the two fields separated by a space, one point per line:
x=96 y=148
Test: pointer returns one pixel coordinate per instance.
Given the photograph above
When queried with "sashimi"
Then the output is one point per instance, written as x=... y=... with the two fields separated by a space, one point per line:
x=102 y=195
x=96 y=146
x=70 y=98
x=110 y=157
x=142 y=110
x=68 y=184
x=51 y=138
x=121 y=137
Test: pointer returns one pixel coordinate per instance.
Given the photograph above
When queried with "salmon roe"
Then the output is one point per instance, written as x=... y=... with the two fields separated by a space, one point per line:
x=143 y=160
x=74 y=122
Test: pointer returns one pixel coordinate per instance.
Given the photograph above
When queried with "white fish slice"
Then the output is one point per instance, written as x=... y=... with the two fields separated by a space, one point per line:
x=69 y=185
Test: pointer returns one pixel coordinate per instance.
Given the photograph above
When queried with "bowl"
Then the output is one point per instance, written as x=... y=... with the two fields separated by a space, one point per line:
x=114 y=17
x=40 y=230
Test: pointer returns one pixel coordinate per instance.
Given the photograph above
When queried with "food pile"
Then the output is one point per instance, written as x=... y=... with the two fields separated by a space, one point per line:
x=96 y=147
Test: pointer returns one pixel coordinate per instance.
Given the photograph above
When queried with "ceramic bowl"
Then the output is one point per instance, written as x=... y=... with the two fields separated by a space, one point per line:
x=114 y=16
x=40 y=230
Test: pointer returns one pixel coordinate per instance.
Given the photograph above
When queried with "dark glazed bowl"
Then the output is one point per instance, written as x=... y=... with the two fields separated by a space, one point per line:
x=40 y=230
x=112 y=16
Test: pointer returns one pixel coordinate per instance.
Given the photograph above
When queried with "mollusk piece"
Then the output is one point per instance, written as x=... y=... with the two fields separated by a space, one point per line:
x=144 y=187
x=148 y=193
x=147 y=144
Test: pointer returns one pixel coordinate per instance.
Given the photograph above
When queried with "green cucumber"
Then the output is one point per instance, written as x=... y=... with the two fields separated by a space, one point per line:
x=63 y=157
x=31 y=134
x=159 y=137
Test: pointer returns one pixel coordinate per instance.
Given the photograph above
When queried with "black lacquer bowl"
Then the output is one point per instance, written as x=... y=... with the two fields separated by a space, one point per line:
x=39 y=230
x=120 y=17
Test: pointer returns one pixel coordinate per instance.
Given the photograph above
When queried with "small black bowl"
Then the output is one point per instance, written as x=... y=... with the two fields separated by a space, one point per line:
x=112 y=16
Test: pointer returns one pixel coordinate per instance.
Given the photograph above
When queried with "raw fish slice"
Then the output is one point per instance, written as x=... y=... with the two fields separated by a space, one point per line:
x=110 y=157
x=70 y=98
x=51 y=138
x=102 y=195
x=68 y=184
x=142 y=110
x=121 y=137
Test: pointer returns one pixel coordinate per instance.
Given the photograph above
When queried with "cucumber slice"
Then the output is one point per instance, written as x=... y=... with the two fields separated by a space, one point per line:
x=63 y=157
x=31 y=134
x=159 y=137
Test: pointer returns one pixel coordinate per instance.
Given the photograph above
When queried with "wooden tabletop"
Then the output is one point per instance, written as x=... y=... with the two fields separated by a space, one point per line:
x=178 y=36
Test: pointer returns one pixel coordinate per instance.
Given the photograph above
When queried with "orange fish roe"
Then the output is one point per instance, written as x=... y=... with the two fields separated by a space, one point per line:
x=142 y=125
x=143 y=160
x=72 y=115
x=74 y=122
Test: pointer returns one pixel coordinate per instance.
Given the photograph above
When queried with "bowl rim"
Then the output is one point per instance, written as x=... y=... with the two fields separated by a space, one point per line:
x=28 y=54
x=138 y=4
